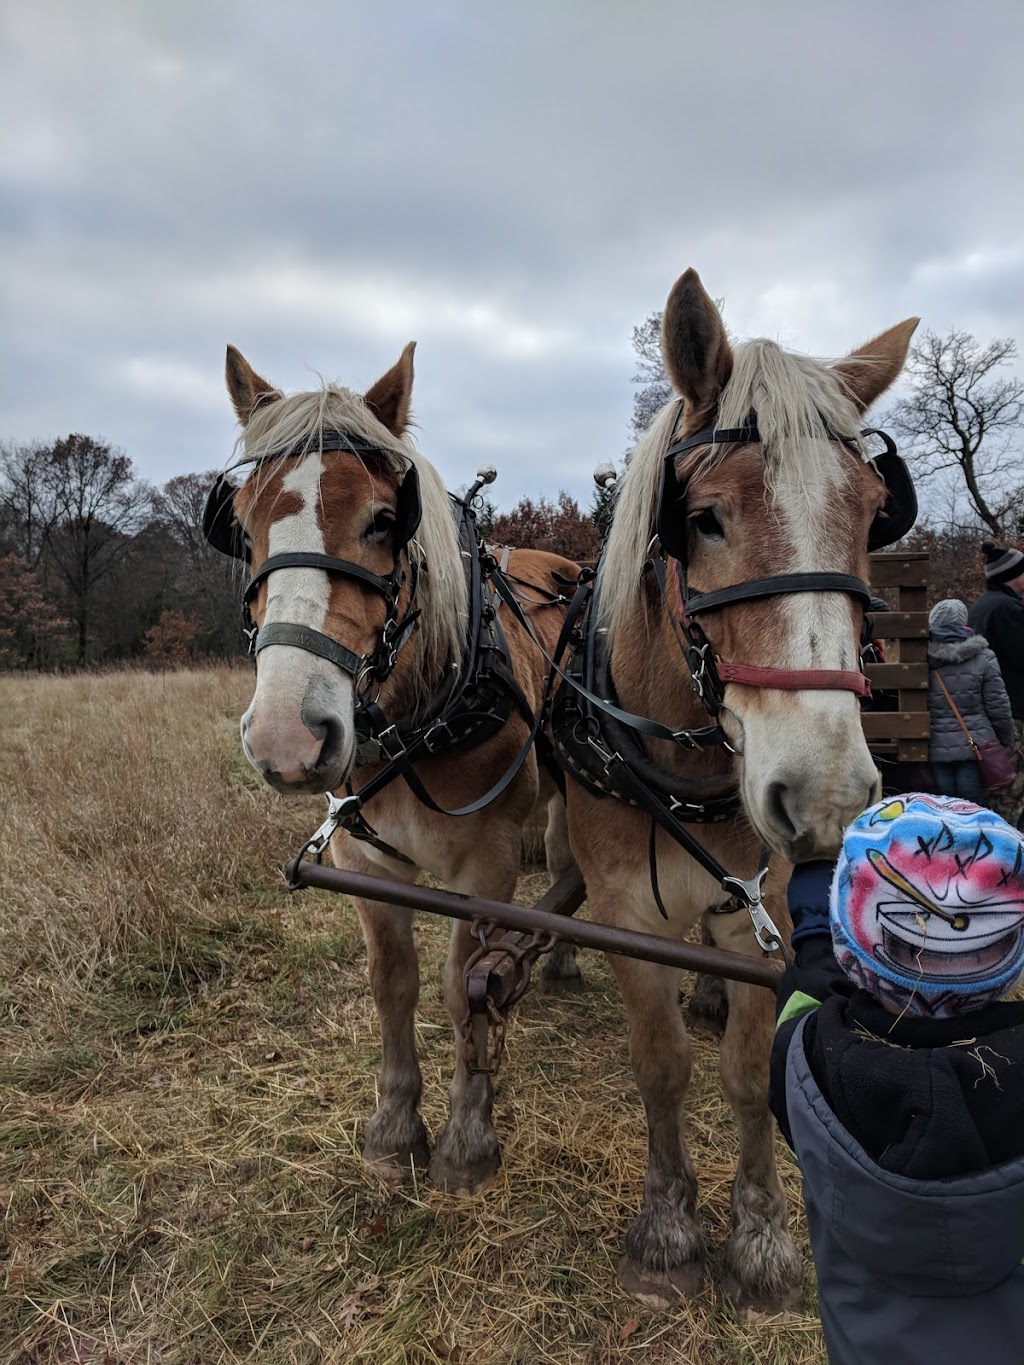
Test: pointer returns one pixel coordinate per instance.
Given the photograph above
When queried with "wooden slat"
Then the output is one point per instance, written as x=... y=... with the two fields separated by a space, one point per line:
x=901 y=625
x=912 y=751
x=890 y=676
x=898 y=571
x=895 y=724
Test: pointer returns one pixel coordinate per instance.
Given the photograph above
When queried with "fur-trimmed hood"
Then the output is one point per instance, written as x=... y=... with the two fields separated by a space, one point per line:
x=955 y=651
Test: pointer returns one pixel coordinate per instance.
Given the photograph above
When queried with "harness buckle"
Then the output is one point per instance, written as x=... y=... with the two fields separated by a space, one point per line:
x=438 y=737
x=390 y=742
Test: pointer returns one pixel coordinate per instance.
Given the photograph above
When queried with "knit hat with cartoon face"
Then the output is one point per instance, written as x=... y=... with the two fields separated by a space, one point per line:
x=927 y=904
x=1001 y=563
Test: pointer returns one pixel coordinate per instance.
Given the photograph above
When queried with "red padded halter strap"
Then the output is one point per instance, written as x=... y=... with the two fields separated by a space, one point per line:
x=796 y=679
x=782 y=679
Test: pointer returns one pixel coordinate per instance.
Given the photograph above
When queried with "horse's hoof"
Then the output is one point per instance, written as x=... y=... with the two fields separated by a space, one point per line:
x=555 y=984
x=707 y=1011
x=705 y=1025
x=768 y=1285
x=393 y=1150
x=661 y=1288
x=465 y=1178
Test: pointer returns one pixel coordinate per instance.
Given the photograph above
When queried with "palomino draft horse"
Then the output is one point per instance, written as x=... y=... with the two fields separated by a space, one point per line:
x=362 y=598
x=779 y=484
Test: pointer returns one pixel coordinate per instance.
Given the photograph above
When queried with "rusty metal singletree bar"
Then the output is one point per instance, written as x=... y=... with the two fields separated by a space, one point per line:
x=649 y=947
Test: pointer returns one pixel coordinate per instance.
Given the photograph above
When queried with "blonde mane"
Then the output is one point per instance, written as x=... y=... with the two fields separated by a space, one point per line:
x=298 y=421
x=799 y=401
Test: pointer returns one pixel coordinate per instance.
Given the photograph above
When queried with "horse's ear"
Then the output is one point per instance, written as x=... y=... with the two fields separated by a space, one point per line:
x=247 y=389
x=868 y=371
x=697 y=353
x=390 y=397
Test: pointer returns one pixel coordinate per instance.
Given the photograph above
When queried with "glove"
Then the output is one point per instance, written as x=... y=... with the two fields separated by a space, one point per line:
x=808 y=899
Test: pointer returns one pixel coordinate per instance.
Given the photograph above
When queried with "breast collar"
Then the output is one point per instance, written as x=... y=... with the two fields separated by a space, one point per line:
x=600 y=744
x=467 y=707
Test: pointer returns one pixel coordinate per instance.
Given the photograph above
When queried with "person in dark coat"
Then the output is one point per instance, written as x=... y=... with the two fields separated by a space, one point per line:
x=998 y=614
x=897 y=1078
x=971 y=674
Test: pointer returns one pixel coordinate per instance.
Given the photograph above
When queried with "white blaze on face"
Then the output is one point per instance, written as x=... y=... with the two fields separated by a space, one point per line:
x=300 y=596
x=298 y=694
x=807 y=770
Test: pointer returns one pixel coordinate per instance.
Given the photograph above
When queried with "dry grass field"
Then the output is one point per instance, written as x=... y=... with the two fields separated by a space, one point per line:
x=187 y=1057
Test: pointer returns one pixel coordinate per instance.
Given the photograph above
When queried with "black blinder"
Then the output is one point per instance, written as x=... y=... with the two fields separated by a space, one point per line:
x=895 y=519
x=220 y=525
x=671 y=517
x=899 y=513
x=408 y=508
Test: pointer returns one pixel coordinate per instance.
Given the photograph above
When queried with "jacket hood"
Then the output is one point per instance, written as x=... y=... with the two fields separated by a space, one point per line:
x=944 y=649
x=934 y=1238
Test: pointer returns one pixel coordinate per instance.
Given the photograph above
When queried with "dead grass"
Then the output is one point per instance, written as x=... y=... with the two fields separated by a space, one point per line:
x=187 y=1061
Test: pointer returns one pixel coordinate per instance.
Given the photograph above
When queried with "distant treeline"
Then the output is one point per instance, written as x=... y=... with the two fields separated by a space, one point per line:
x=97 y=566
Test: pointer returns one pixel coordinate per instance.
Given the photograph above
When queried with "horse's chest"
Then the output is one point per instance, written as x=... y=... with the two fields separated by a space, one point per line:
x=435 y=843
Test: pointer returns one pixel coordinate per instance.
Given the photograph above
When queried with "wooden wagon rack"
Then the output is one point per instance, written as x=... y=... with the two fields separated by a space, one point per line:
x=901 y=735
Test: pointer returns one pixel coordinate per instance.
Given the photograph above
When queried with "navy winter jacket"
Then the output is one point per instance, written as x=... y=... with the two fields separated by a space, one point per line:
x=998 y=614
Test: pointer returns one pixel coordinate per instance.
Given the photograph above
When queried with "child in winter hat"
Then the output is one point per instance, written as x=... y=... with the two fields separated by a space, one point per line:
x=897 y=1078
x=927 y=905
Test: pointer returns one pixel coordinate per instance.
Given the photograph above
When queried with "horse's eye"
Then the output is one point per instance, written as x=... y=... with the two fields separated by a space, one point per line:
x=708 y=525
x=381 y=526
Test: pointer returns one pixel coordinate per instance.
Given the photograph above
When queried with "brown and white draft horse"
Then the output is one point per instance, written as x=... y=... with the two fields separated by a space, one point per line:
x=300 y=728
x=798 y=501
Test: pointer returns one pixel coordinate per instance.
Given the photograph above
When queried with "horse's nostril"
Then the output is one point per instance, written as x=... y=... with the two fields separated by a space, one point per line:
x=776 y=798
x=330 y=749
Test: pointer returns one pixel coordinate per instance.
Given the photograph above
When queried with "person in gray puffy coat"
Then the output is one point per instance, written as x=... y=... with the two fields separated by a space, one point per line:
x=971 y=673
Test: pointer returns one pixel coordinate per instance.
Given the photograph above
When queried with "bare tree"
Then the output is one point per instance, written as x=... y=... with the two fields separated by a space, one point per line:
x=28 y=507
x=206 y=584
x=99 y=508
x=963 y=414
x=656 y=389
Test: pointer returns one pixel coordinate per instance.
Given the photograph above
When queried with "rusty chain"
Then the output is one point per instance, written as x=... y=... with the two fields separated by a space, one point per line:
x=523 y=956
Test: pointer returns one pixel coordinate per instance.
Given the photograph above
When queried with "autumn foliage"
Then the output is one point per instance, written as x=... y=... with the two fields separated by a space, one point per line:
x=560 y=526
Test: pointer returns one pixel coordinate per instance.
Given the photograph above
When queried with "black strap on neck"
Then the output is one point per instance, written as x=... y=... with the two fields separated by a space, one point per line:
x=704 y=737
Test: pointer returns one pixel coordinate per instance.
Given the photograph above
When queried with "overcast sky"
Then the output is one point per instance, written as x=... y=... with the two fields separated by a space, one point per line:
x=514 y=185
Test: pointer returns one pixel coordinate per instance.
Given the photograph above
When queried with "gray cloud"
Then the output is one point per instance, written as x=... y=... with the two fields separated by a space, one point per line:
x=513 y=185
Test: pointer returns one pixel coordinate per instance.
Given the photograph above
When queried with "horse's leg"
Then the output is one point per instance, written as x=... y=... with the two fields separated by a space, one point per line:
x=395 y=1135
x=561 y=972
x=761 y=1271
x=663 y=1258
x=466 y=1154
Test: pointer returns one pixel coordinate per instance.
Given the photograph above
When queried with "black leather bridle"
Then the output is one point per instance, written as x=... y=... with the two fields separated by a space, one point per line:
x=224 y=532
x=710 y=674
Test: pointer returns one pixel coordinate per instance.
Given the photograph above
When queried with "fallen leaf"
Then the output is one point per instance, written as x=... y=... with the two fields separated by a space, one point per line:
x=378 y=1228
x=307 y=1244
x=628 y=1328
